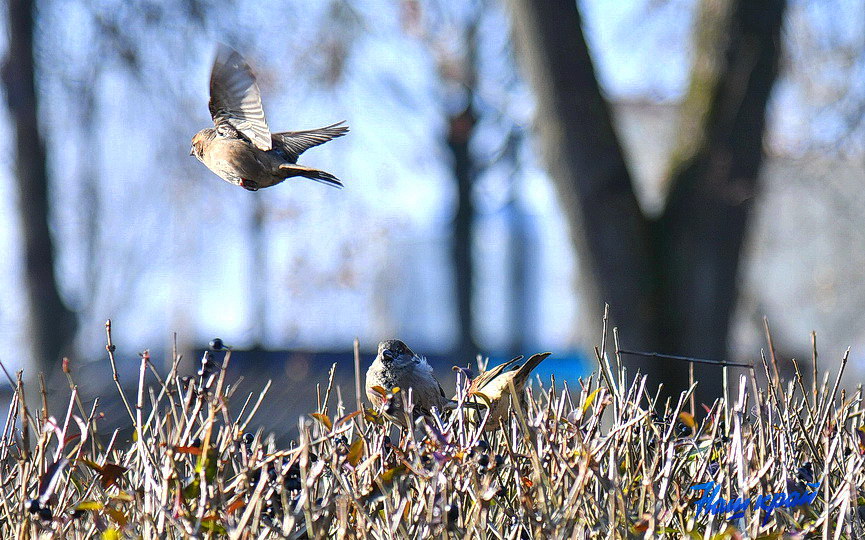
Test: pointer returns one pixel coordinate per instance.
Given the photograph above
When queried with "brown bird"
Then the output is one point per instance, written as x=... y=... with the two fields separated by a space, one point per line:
x=240 y=149
x=397 y=366
x=492 y=384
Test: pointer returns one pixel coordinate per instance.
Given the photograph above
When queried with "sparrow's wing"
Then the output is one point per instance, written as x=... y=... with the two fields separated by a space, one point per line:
x=484 y=378
x=294 y=143
x=235 y=99
x=526 y=369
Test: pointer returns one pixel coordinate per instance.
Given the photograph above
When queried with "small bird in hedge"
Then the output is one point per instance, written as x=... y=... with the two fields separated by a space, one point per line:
x=240 y=148
x=491 y=388
x=396 y=366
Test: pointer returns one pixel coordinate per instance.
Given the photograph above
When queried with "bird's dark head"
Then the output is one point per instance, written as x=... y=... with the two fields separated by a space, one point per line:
x=393 y=348
x=201 y=141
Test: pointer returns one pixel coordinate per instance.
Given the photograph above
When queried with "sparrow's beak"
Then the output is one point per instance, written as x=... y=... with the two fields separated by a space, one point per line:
x=192 y=151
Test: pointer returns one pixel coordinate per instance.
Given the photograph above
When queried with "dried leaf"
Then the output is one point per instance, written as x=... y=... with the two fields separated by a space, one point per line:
x=379 y=390
x=688 y=419
x=110 y=473
x=355 y=452
x=117 y=516
x=235 y=505
x=389 y=475
x=372 y=416
x=324 y=419
x=123 y=496
x=346 y=418
x=192 y=450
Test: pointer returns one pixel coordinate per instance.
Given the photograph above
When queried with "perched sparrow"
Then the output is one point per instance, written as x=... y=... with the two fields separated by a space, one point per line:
x=493 y=384
x=397 y=366
x=240 y=149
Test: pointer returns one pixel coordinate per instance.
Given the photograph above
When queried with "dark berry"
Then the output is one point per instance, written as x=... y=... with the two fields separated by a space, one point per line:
x=806 y=472
x=484 y=460
x=196 y=443
x=500 y=460
x=683 y=430
x=45 y=514
x=248 y=438
x=32 y=505
x=483 y=446
x=216 y=344
x=453 y=511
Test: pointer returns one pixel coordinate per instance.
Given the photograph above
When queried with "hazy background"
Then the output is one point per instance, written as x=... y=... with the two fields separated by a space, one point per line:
x=146 y=236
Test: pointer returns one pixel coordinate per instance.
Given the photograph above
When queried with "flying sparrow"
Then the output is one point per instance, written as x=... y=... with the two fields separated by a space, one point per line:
x=492 y=384
x=397 y=366
x=240 y=148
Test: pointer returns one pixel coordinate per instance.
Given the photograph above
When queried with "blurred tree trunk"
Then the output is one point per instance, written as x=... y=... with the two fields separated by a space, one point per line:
x=258 y=263
x=671 y=281
x=460 y=129
x=51 y=324
x=459 y=135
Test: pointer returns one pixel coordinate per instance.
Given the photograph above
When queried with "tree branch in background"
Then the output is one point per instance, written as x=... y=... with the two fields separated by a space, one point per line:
x=714 y=175
x=51 y=324
x=586 y=163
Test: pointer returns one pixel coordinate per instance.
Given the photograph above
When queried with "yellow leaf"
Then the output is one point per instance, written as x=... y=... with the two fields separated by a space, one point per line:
x=89 y=505
x=590 y=399
x=323 y=419
x=111 y=534
x=355 y=452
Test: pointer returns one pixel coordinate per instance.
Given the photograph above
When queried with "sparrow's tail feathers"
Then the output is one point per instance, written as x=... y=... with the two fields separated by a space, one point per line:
x=294 y=143
x=525 y=370
x=318 y=175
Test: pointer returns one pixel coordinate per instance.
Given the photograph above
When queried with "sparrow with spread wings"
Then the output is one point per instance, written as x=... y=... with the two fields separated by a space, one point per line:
x=492 y=389
x=240 y=148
